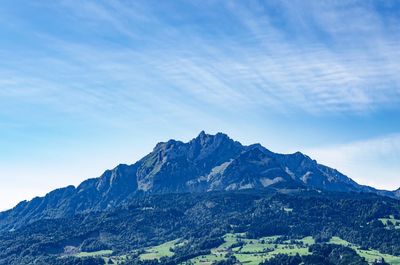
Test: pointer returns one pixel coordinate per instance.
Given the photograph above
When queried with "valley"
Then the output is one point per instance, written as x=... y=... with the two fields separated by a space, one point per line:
x=246 y=251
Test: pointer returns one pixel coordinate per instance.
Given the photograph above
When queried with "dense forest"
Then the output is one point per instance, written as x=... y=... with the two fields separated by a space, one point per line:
x=202 y=219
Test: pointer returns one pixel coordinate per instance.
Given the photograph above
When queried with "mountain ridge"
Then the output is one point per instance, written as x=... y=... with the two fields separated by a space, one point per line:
x=205 y=163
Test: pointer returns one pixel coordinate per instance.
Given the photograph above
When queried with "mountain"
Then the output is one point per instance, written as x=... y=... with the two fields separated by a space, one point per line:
x=206 y=163
x=205 y=200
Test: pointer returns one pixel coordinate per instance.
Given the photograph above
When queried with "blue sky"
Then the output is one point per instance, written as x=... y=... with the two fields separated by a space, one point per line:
x=86 y=86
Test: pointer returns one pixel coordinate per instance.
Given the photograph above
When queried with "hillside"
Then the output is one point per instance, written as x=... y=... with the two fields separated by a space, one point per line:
x=200 y=228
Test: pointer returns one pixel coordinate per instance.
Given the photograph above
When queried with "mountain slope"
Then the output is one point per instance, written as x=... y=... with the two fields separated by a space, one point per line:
x=206 y=163
x=200 y=220
x=397 y=192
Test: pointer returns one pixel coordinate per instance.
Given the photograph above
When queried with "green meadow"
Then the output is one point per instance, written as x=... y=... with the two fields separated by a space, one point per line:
x=370 y=255
x=247 y=251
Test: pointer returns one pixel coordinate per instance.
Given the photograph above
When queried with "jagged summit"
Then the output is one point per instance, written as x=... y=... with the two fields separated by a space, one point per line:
x=205 y=163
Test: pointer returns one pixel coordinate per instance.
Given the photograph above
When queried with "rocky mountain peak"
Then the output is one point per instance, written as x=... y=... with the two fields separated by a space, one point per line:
x=205 y=139
x=206 y=163
x=397 y=192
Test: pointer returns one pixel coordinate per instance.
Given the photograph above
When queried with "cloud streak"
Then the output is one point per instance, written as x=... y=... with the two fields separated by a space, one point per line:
x=265 y=68
x=172 y=69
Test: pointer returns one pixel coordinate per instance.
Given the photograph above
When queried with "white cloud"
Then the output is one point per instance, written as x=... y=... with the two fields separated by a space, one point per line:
x=261 y=67
x=123 y=63
x=374 y=162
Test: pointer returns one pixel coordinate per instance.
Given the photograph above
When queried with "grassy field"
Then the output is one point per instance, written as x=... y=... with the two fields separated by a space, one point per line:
x=163 y=250
x=100 y=253
x=391 y=221
x=150 y=253
x=369 y=255
x=106 y=255
x=247 y=251
x=254 y=251
x=155 y=252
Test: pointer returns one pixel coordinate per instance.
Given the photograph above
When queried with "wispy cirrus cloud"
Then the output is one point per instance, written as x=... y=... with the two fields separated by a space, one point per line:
x=285 y=69
x=264 y=63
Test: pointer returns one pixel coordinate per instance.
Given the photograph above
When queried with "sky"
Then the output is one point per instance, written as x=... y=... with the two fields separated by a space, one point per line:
x=85 y=86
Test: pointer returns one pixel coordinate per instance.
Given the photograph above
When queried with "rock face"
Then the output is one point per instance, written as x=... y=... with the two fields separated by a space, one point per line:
x=172 y=165
x=206 y=163
x=397 y=193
